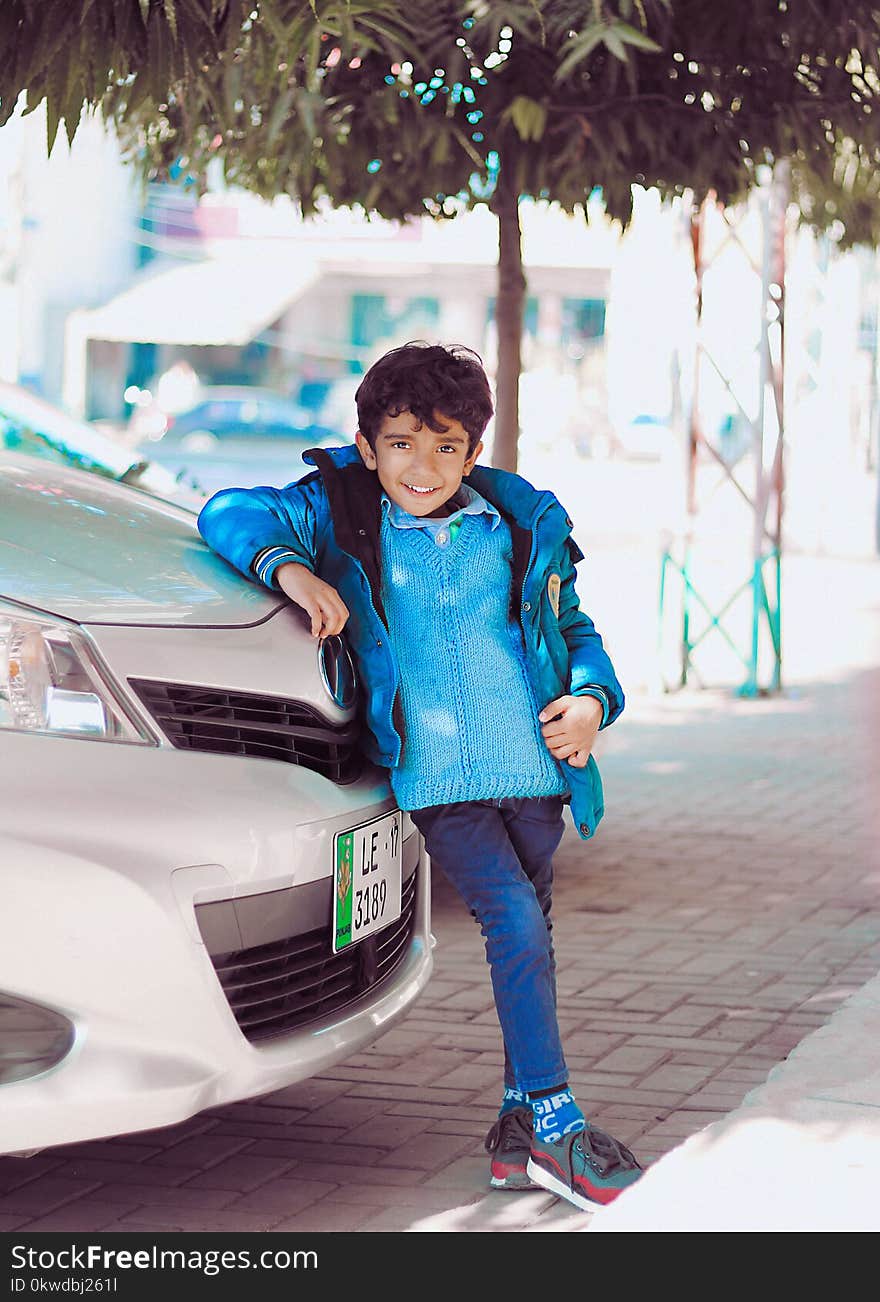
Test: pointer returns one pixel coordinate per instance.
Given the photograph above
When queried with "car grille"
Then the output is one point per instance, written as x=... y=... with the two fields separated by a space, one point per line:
x=247 y=723
x=276 y=988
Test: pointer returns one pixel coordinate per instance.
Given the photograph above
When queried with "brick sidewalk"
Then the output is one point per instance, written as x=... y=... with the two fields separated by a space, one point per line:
x=725 y=910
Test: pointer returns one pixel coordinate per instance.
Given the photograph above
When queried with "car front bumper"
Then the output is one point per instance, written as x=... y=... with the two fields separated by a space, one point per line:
x=108 y=867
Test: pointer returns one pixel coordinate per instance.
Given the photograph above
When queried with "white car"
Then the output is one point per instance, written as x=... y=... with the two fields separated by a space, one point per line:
x=185 y=821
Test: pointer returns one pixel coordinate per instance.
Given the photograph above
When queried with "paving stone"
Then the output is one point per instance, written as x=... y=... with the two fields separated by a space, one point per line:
x=475 y=1128
x=719 y=1050
x=82 y=1215
x=200 y=1151
x=16 y=1171
x=591 y=1044
x=346 y=1111
x=166 y=1136
x=286 y=1196
x=419 y=1197
x=465 y=1174
x=471 y=1076
x=387 y=1130
x=308 y=1151
x=149 y=1195
x=324 y=1217
x=107 y=1150
x=137 y=1172
x=307 y=1094
x=242 y=1172
x=44 y=1194
x=245 y=1131
x=423 y=1073
x=631 y=1060
x=392 y=1090
x=259 y=1113
x=193 y=1220
x=379 y=1175
x=10 y=1222
x=598 y=1090
x=426 y=1152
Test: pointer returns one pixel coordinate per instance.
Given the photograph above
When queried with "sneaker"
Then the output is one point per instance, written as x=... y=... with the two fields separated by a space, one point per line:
x=587 y=1167
x=508 y=1141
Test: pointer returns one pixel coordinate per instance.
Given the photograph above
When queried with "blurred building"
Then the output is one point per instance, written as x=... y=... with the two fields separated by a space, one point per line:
x=248 y=292
x=65 y=240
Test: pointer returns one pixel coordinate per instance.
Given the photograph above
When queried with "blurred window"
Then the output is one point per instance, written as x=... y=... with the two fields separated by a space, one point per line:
x=375 y=317
x=530 y=316
x=583 y=319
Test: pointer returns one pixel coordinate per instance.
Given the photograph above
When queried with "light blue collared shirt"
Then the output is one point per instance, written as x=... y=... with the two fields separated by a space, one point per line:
x=444 y=529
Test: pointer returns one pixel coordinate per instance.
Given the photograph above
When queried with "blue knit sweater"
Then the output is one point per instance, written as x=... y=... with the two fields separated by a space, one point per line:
x=471 y=729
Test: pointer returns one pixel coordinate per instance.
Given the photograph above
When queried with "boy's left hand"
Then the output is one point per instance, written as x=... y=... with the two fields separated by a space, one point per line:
x=570 y=727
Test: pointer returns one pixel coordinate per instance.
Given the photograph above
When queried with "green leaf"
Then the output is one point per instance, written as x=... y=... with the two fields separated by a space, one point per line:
x=631 y=36
x=53 y=121
x=280 y=114
x=613 y=42
x=528 y=117
x=580 y=48
x=305 y=107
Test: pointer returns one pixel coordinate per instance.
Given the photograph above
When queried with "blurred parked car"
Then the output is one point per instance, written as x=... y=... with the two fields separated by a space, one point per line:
x=30 y=425
x=186 y=817
x=240 y=436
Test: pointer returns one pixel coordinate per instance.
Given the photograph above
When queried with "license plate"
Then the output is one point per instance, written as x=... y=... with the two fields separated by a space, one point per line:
x=366 y=886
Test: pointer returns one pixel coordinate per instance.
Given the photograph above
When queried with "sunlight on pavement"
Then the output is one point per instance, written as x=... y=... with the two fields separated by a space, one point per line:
x=512 y=1212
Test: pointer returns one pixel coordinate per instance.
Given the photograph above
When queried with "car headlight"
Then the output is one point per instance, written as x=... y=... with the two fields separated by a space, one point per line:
x=51 y=682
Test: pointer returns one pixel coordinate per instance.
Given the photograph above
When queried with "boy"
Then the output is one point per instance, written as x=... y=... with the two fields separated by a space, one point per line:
x=485 y=688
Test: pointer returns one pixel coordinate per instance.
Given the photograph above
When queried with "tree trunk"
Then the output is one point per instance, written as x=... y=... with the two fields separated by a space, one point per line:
x=509 y=314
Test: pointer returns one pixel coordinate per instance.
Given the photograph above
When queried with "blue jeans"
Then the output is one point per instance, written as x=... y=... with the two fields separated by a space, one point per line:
x=498 y=854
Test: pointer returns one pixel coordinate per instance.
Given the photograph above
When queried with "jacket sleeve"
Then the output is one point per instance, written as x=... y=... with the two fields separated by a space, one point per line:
x=589 y=663
x=258 y=529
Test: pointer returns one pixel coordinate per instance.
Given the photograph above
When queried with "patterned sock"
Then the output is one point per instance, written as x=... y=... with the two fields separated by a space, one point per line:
x=556 y=1115
x=512 y=1099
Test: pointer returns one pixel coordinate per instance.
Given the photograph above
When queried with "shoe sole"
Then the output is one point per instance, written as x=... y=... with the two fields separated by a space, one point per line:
x=550 y=1182
x=513 y=1183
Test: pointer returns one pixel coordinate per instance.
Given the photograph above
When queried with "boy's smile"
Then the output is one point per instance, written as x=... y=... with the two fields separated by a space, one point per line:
x=419 y=468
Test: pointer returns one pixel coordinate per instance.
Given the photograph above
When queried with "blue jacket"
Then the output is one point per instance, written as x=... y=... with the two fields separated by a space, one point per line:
x=330 y=521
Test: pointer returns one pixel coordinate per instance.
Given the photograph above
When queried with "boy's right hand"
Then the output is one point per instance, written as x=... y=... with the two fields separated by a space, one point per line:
x=322 y=603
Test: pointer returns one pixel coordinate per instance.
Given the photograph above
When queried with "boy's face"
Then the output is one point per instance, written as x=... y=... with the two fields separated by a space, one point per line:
x=419 y=469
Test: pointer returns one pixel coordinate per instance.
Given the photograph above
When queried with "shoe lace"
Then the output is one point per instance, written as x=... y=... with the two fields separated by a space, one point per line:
x=512 y=1130
x=605 y=1154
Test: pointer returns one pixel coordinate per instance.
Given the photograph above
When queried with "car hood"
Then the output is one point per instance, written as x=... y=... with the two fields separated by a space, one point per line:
x=99 y=552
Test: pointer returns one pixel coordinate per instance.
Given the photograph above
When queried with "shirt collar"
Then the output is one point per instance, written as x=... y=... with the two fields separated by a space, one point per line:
x=472 y=504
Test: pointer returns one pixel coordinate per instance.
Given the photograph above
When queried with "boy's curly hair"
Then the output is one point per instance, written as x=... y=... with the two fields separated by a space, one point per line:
x=426 y=379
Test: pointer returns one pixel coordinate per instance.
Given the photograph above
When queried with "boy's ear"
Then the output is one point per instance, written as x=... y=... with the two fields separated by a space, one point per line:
x=471 y=461
x=368 y=456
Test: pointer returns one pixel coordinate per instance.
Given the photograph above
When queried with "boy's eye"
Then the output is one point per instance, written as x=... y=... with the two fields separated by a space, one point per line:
x=404 y=443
